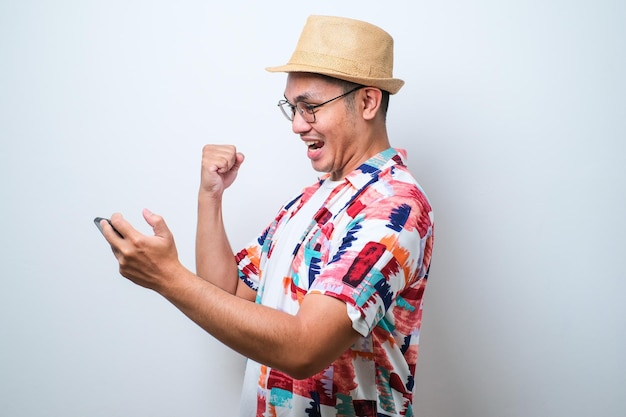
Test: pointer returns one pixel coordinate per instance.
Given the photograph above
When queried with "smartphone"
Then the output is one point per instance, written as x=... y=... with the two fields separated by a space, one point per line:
x=97 y=221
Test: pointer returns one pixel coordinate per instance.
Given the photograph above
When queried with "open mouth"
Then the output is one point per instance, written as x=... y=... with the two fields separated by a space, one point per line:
x=314 y=144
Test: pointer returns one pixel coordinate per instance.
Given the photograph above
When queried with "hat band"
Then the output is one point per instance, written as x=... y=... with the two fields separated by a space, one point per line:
x=338 y=65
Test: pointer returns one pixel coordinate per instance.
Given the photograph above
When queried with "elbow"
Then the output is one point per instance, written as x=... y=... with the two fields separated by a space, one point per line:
x=304 y=368
x=302 y=373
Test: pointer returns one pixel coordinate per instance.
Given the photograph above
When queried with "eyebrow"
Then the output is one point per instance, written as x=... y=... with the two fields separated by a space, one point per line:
x=301 y=98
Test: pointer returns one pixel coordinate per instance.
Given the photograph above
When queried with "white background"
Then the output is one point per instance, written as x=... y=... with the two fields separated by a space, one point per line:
x=513 y=116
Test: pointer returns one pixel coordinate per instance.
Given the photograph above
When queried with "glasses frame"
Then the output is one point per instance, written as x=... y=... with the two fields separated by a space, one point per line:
x=305 y=108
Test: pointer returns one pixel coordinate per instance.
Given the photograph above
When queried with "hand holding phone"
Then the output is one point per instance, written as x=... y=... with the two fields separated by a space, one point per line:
x=98 y=220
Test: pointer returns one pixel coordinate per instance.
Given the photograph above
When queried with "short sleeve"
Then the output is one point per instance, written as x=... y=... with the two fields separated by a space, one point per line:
x=249 y=261
x=379 y=254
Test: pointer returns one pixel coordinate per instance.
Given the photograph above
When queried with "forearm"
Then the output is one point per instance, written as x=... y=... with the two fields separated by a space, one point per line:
x=266 y=335
x=215 y=261
x=299 y=345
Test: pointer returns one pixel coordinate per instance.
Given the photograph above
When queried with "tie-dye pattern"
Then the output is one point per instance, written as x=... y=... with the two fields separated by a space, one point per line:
x=370 y=245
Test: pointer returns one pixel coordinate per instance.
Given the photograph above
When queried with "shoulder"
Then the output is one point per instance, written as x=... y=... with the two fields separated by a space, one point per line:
x=397 y=200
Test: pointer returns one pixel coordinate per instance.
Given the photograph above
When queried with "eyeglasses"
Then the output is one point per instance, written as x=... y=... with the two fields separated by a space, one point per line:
x=306 y=110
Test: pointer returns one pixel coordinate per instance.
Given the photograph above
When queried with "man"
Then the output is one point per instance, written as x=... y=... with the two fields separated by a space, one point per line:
x=326 y=302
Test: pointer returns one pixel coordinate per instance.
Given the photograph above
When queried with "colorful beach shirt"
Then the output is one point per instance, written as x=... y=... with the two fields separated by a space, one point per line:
x=369 y=244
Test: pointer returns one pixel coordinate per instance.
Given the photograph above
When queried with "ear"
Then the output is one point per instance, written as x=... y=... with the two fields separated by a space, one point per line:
x=372 y=98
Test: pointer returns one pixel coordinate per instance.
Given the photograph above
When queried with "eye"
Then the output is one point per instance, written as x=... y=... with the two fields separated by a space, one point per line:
x=309 y=108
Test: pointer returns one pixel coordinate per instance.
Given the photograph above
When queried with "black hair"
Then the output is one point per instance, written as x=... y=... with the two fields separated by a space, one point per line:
x=349 y=100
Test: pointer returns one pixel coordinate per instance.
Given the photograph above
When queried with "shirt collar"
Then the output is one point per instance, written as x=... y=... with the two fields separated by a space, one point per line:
x=373 y=166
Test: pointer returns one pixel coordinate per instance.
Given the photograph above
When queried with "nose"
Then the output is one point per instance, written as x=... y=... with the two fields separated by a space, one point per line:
x=299 y=125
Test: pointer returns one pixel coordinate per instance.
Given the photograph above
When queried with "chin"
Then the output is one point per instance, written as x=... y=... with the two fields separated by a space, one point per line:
x=319 y=168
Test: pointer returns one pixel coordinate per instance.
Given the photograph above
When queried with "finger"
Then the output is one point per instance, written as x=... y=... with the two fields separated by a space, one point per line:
x=229 y=155
x=108 y=222
x=118 y=223
x=232 y=162
x=219 y=158
x=159 y=227
x=109 y=231
x=226 y=164
x=219 y=164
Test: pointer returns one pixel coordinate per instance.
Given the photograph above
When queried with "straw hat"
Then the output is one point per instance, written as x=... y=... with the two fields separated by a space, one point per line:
x=347 y=49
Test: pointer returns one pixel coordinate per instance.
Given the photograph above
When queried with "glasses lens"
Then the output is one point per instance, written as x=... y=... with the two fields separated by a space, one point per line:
x=287 y=109
x=306 y=111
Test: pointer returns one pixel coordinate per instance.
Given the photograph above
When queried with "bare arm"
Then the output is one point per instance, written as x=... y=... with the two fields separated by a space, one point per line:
x=299 y=345
x=215 y=261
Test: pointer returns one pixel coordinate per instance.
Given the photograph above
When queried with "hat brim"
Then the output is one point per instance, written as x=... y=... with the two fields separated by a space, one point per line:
x=392 y=85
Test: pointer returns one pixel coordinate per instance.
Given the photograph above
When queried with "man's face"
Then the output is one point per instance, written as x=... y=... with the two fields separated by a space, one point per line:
x=333 y=140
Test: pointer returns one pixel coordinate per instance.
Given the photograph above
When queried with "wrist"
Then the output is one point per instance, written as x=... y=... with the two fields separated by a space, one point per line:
x=209 y=198
x=181 y=279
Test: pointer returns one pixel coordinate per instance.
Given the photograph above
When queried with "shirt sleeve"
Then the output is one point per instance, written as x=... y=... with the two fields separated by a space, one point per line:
x=249 y=260
x=379 y=254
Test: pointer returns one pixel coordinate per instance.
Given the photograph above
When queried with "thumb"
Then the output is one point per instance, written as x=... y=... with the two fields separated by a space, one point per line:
x=239 y=158
x=157 y=223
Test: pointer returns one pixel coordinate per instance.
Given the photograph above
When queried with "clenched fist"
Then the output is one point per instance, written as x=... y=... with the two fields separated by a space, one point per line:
x=220 y=164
